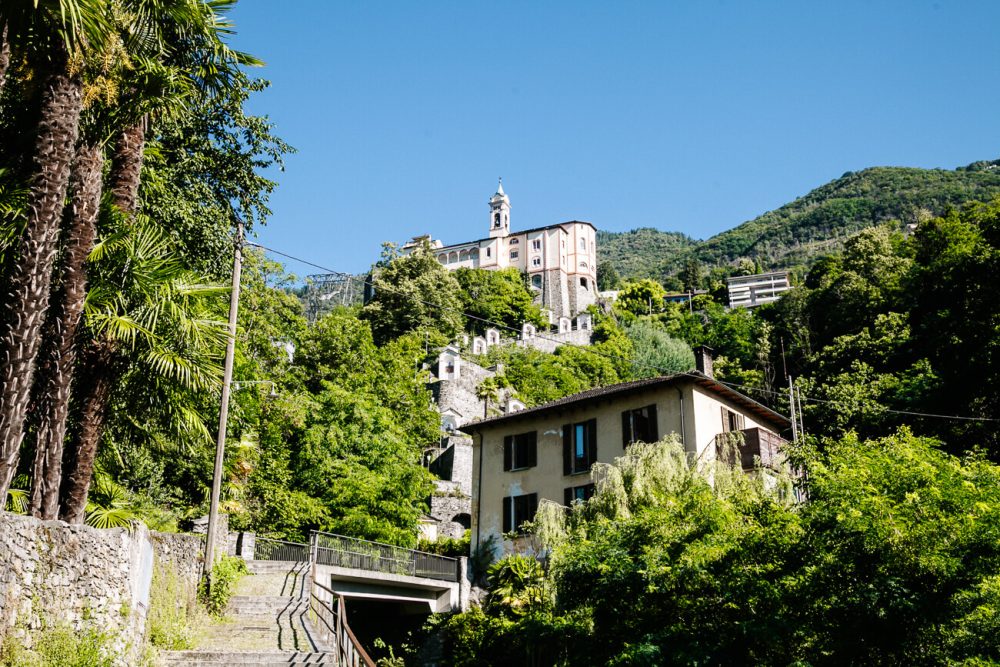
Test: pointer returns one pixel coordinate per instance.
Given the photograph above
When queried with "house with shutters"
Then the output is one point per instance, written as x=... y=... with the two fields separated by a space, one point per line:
x=546 y=452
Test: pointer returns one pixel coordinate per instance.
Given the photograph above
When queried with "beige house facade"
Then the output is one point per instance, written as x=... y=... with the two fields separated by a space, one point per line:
x=560 y=260
x=546 y=452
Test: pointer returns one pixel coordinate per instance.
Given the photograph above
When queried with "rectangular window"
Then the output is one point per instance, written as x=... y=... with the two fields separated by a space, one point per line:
x=537 y=261
x=515 y=241
x=731 y=421
x=489 y=251
x=517 y=510
x=536 y=244
x=513 y=254
x=583 y=283
x=574 y=493
x=579 y=447
x=520 y=451
x=639 y=426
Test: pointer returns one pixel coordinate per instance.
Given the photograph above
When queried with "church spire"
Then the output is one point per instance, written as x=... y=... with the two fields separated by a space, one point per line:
x=499 y=212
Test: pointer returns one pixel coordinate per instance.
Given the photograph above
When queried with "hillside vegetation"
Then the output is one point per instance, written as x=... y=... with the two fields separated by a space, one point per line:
x=813 y=225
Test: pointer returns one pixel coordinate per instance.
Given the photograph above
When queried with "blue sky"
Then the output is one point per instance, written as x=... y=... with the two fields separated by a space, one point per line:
x=687 y=116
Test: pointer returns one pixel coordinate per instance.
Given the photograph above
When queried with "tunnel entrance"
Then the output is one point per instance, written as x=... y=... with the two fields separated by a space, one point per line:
x=395 y=623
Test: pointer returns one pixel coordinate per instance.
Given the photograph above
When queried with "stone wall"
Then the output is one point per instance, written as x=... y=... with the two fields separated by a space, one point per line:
x=53 y=574
x=445 y=508
x=553 y=340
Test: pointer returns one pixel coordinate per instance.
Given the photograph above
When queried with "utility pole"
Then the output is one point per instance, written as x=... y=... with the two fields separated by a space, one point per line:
x=227 y=380
x=791 y=403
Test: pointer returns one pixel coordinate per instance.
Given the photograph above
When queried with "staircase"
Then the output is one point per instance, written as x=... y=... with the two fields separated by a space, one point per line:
x=265 y=625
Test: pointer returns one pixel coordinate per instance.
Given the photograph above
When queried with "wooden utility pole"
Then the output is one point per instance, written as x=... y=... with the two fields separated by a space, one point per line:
x=227 y=380
x=791 y=403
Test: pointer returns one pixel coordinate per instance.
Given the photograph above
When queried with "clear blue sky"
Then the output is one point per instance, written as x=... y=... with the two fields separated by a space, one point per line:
x=688 y=116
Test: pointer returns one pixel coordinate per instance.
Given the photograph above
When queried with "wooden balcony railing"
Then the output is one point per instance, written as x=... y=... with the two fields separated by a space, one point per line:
x=750 y=447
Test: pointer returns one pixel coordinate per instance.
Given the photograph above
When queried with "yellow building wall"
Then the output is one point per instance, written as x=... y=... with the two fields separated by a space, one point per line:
x=702 y=417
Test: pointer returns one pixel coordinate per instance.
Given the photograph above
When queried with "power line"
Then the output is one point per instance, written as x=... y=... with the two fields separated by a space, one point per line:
x=606 y=355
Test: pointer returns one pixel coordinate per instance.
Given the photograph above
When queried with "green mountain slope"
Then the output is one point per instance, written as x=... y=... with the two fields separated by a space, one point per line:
x=641 y=253
x=814 y=224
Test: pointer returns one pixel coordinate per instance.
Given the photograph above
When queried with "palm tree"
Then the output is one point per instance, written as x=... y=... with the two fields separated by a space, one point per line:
x=208 y=65
x=164 y=67
x=151 y=316
x=47 y=32
x=4 y=54
x=61 y=331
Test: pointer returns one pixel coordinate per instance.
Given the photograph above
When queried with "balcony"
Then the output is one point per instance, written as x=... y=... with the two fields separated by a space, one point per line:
x=750 y=448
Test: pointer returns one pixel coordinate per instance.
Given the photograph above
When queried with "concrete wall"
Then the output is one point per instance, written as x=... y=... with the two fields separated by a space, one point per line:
x=702 y=421
x=52 y=573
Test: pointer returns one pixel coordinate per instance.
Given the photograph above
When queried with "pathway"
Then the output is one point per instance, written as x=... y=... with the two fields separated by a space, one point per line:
x=266 y=624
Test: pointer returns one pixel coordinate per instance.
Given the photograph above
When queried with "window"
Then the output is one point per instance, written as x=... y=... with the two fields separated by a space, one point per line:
x=496 y=220
x=536 y=244
x=536 y=261
x=731 y=421
x=489 y=251
x=583 y=283
x=583 y=244
x=579 y=447
x=513 y=254
x=536 y=281
x=515 y=241
x=574 y=493
x=639 y=425
x=517 y=510
x=520 y=451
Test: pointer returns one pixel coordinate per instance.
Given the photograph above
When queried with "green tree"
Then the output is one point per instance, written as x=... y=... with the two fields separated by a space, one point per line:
x=655 y=352
x=641 y=297
x=414 y=292
x=497 y=296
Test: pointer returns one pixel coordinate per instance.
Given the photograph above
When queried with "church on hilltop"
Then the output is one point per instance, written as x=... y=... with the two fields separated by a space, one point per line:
x=560 y=260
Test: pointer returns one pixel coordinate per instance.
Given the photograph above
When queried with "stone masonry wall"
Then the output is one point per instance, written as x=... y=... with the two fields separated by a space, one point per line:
x=52 y=574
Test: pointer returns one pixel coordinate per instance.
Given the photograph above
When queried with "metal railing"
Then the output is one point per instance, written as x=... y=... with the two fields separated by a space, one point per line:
x=328 y=617
x=268 y=549
x=350 y=552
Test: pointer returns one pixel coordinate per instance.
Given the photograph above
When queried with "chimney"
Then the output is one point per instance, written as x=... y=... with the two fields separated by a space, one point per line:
x=703 y=360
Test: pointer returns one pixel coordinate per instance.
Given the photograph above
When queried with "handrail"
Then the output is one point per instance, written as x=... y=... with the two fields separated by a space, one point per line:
x=351 y=552
x=354 y=640
x=383 y=544
x=346 y=645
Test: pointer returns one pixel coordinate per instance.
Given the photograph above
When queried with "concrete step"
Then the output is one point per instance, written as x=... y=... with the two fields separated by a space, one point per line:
x=270 y=566
x=249 y=658
x=261 y=605
x=293 y=584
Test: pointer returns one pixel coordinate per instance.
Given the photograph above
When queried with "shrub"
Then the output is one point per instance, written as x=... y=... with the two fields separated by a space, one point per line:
x=59 y=646
x=225 y=573
x=170 y=608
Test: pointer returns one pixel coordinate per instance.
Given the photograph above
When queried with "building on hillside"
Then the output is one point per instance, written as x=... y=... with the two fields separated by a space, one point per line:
x=750 y=291
x=546 y=452
x=560 y=260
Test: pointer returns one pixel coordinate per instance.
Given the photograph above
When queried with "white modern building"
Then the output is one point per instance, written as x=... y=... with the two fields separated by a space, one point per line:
x=560 y=260
x=750 y=291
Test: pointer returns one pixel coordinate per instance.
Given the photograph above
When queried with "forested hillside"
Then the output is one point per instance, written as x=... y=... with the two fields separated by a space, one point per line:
x=813 y=225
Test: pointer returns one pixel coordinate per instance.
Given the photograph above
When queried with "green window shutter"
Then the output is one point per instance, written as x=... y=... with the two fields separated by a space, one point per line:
x=654 y=428
x=531 y=449
x=506 y=514
x=627 y=428
x=568 y=496
x=508 y=453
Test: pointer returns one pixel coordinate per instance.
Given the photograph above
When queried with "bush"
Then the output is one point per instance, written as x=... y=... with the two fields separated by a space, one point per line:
x=59 y=646
x=449 y=546
x=170 y=609
x=225 y=573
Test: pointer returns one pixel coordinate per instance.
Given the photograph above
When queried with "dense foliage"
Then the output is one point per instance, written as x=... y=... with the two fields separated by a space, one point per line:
x=894 y=559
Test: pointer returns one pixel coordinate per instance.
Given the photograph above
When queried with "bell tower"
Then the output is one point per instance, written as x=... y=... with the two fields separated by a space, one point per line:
x=499 y=213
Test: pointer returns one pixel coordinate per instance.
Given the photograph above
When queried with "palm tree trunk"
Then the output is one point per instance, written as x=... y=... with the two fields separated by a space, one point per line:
x=127 y=166
x=4 y=55
x=97 y=376
x=99 y=365
x=58 y=127
x=57 y=362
